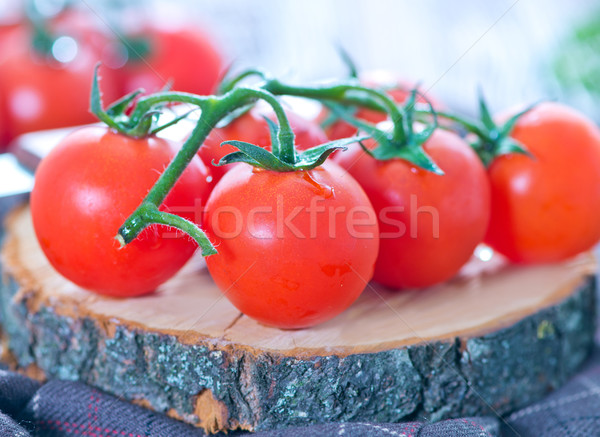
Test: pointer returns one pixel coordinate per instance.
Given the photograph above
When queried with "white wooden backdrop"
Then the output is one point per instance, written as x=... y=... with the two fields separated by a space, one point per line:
x=452 y=46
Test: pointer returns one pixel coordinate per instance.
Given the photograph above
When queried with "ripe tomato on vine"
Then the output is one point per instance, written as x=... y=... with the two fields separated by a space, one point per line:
x=429 y=223
x=83 y=191
x=546 y=203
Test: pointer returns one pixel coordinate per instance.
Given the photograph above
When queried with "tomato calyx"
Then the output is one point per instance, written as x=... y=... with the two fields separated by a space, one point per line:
x=410 y=146
x=136 y=47
x=348 y=62
x=491 y=139
x=42 y=38
x=140 y=123
x=278 y=161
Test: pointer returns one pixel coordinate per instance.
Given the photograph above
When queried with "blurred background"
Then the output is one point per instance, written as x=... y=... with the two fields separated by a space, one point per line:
x=516 y=51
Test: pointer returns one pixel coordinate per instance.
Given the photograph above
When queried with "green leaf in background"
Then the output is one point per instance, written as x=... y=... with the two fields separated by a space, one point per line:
x=576 y=63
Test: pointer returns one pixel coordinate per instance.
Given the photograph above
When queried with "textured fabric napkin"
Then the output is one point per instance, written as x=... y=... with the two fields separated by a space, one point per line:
x=61 y=408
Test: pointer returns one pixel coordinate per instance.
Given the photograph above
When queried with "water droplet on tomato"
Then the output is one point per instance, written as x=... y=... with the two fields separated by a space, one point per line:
x=336 y=270
x=321 y=189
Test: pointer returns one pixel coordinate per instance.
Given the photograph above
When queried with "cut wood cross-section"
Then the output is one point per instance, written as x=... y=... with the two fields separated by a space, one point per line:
x=493 y=340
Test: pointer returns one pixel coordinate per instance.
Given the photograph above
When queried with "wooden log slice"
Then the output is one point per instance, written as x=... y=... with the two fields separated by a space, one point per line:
x=495 y=339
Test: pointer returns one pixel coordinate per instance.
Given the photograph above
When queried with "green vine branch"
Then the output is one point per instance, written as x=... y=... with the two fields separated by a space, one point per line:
x=137 y=116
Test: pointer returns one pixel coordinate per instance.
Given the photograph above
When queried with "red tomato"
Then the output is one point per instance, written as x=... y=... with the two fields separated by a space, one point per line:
x=295 y=248
x=399 y=91
x=86 y=188
x=187 y=56
x=429 y=224
x=547 y=208
x=37 y=94
x=253 y=128
x=92 y=31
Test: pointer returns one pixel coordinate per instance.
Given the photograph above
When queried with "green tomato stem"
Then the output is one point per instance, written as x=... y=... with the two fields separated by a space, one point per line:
x=213 y=110
x=224 y=105
x=147 y=214
x=337 y=93
x=469 y=125
x=227 y=86
x=189 y=149
x=146 y=103
x=348 y=94
x=283 y=148
x=42 y=38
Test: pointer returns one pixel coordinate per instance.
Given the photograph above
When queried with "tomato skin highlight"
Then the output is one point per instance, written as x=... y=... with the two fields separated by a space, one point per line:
x=297 y=275
x=86 y=188
x=251 y=127
x=547 y=209
x=429 y=224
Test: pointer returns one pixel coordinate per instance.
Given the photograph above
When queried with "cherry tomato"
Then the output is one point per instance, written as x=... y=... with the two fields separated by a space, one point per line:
x=85 y=189
x=92 y=31
x=186 y=56
x=295 y=248
x=251 y=127
x=399 y=90
x=547 y=208
x=38 y=94
x=429 y=224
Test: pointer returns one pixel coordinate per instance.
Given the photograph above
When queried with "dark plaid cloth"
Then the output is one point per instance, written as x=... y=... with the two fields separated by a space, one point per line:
x=573 y=410
x=60 y=408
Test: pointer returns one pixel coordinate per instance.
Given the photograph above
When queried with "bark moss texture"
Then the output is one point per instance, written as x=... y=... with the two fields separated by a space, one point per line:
x=493 y=373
